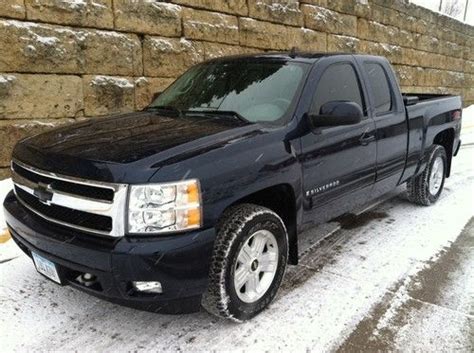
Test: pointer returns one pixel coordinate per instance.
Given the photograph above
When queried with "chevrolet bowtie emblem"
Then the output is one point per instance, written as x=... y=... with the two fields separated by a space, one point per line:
x=43 y=193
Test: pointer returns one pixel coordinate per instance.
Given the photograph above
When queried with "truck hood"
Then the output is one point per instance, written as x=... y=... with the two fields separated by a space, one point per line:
x=126 y=148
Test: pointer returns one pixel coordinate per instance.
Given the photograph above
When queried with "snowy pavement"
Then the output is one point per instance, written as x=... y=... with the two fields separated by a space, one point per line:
x=397 y=277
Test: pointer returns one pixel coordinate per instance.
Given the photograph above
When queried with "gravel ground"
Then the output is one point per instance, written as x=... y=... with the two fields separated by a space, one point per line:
x=397 y=277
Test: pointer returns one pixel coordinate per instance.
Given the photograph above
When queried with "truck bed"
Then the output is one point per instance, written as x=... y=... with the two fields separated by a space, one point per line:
x=427 y=116
x=413 y=98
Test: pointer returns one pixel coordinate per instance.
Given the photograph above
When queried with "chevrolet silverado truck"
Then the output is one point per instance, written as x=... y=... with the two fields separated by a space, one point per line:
x=198 y=199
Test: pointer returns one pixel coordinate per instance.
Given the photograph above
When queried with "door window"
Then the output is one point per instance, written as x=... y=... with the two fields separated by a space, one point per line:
x=379 y=87
x=338 y=83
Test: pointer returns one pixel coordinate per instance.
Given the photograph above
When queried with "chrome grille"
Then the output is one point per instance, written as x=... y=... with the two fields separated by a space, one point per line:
x=89 y=206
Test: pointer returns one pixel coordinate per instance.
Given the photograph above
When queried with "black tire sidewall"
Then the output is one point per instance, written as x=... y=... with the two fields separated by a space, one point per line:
x=237 y=308
x=438 y=152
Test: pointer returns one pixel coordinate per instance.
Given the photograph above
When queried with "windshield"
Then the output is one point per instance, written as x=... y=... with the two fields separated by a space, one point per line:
x=260 y=91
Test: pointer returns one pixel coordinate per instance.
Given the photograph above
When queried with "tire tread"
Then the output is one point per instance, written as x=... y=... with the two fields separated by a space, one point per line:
x=215 y=299
x=418 y=186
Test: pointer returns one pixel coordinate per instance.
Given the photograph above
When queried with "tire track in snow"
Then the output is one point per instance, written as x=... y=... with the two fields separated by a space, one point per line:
x=380 y=330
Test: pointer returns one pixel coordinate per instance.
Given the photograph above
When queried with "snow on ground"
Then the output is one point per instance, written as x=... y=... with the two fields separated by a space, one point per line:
x=371 y=285
x=468 y=117
x=338 y=285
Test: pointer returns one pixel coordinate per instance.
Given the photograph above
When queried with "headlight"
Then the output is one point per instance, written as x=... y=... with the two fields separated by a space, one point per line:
x=157 y=208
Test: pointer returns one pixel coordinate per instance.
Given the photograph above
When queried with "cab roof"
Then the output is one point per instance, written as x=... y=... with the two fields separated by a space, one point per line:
x=287 y=55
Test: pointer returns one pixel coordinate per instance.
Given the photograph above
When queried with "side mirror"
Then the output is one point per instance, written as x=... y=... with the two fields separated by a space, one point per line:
x=336 y=113
x=156 y=95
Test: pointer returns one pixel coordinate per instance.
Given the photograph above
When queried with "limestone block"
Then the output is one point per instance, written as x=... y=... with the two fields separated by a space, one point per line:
x=278 y=11
x=170 y=57
x=108 y=94
x=210 y=26
x=87 y=13
x=151 y=17
x=25 y=96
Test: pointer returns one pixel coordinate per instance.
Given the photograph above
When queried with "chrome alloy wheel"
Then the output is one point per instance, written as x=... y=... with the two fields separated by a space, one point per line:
x=436 y=176
x=256 y=266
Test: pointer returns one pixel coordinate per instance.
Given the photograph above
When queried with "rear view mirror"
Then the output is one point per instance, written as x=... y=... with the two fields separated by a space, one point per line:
x=337 y=113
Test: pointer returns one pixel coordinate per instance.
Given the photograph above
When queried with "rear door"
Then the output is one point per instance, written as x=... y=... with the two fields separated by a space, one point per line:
x=338 y=161
x=389 y=115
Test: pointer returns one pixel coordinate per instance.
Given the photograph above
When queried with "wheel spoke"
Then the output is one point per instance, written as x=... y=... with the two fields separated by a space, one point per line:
x=268 y=262
x=252 y=285
x=436 y=176
x=241 y=277
x=258 y=244
x=245 y=255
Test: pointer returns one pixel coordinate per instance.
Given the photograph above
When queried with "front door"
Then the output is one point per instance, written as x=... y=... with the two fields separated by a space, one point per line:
x=339 y=162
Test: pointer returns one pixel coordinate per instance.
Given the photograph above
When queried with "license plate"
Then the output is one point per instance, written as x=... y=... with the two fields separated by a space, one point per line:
x=46 y=267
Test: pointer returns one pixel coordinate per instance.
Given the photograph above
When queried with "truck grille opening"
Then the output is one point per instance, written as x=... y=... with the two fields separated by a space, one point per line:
x=87 y=206
x=66 y=215
x=66 y=186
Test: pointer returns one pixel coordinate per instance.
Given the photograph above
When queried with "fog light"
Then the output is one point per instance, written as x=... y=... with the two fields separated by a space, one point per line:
x=148 y=286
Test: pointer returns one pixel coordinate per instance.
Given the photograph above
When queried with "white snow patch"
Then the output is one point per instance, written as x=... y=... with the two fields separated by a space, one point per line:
x=34 y=38
x=468 y=117
x=79 y=5
x=108 y=80
x=279 y=7
x=185 y=42
x=219 y=26
x=113 y=35
x=165 y=5
x=387 y=47
x=162 y=44
x=20 y=24
x=307 y=30
x=141 y=81
x=76 y=4
x=468 y=113
x=35 y=123
x=47 y=40
x=5 y=79
x=324 y=15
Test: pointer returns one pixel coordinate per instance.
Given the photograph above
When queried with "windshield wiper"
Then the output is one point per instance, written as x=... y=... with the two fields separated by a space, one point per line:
x=229 y=113
x=166 y=108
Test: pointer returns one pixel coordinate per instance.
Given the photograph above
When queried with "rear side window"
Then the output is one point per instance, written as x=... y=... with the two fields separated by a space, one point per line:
x=338 y=83
x=379 y=87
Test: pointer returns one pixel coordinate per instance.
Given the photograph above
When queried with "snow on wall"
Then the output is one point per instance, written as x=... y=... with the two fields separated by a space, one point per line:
x=114 y=81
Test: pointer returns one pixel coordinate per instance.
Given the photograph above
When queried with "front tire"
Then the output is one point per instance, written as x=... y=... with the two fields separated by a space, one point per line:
x=248 y=262
x=425 y=188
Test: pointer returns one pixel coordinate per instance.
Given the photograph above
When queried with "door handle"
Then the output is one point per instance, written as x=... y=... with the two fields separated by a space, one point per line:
x=365 y=139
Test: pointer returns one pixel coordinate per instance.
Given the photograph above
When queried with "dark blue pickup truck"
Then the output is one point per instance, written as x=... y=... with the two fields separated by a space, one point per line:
x=199 y=198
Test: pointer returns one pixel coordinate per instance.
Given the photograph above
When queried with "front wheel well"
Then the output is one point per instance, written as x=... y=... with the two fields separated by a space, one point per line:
x=445 y=138
x=281 y=200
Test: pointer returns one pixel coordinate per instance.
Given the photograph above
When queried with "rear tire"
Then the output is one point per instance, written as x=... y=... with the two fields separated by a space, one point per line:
x=425 y=188
x=248 y=262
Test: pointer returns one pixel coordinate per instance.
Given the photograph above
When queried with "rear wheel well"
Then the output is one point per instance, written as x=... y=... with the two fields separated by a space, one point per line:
x=446 y=139
x=281 y=200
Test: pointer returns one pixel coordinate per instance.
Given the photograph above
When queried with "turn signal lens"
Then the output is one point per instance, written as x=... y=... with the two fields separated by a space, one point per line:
x=193 y=193
x=194 y=217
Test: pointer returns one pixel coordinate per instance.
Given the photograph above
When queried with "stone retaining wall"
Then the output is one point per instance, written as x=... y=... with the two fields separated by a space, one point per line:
x=63 y=60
